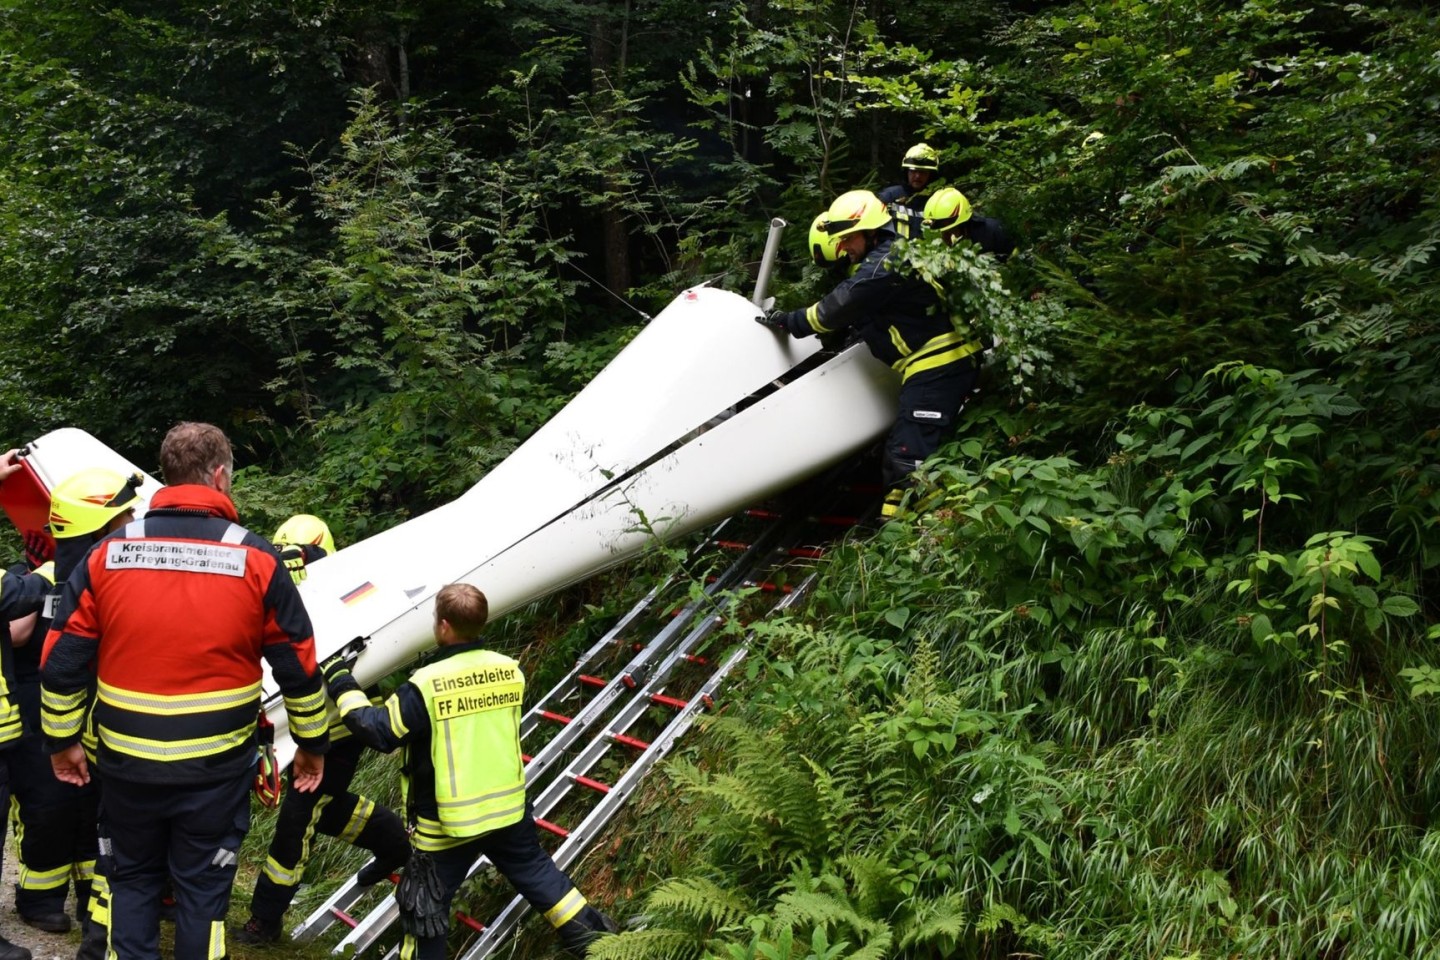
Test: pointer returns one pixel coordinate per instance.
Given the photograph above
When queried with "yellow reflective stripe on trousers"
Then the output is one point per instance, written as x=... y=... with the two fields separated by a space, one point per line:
x=169 y=704
x=359 y=816
x=283 y=876
x=216 y=949
x=934 y=354
x=174 y=749
x=564 y=911
x=100 y=900
x=43 y=879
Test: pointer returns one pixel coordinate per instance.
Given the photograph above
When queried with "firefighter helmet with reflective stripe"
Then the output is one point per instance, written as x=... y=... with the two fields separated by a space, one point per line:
x=824 y=247
x=87 y=501
x=946 y=210
x=922 y=156
x=856 y=210
x=304 y=528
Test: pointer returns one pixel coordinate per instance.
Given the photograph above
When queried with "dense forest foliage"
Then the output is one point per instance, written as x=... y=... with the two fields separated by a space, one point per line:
x=1149 y=676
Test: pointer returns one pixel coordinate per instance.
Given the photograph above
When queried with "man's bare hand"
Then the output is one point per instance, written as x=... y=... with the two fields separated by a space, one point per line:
x=9 y=463
x=70 y=765
x=306 y=771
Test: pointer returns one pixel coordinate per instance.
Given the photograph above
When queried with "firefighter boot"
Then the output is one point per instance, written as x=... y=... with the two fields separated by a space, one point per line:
x=49 y=922
x=257 y=932
x=9 y=951
x=93 y=941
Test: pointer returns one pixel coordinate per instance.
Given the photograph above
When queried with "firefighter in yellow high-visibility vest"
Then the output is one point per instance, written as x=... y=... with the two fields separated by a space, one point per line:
x=458 y=719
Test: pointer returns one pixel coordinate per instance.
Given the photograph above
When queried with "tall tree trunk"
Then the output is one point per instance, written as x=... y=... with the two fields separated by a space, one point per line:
x=606 y=68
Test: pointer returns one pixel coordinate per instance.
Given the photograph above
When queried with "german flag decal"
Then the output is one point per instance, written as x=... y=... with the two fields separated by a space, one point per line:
x=359 y=593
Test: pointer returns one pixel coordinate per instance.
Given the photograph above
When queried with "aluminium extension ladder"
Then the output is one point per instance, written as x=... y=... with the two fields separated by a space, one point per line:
x=606 y=725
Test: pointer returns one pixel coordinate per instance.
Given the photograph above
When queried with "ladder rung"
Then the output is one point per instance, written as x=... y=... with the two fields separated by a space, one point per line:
x=526 y=758
x=765 y=586
x=694 y=659
x=669 y=701
x=587 y=679
x=629 y=681
x=470 y=922
x=732 y=545
x=554 y=828
x=557 y=717
x=629 y=741
x=807 y=553
x=595 y=785
x=836 y=521
x=343 y=917
x=760 y=514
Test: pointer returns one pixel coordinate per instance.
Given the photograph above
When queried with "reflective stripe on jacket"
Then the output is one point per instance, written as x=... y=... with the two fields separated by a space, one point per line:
x=177 y=611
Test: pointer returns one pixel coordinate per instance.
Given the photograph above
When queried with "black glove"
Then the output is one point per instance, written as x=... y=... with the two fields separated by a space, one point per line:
x=420 y=896
x=335 y=666
x=774 y=319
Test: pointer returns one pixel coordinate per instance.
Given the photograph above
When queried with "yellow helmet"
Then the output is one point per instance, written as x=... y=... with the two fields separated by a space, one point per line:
x=824 y=247
x=856 y=210
x=87 y=501
x=946 y=210
x=302 y=529
x=922 y=156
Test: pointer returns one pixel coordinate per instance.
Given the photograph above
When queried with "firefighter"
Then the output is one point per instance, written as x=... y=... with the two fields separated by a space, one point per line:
x=919 y=170
x=948 y=213
x=176 y=612
x=465 y=704
x=56 y=821
x=903 y=321
x=331 y=809
x=21 y=596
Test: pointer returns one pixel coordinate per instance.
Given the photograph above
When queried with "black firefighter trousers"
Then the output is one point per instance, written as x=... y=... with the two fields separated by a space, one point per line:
x=930 y=404
x=192 y=832
x=516 y=852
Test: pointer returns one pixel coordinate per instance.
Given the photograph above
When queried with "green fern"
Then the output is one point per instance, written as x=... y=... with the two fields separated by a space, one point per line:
x=652 y=944
x=699 y=900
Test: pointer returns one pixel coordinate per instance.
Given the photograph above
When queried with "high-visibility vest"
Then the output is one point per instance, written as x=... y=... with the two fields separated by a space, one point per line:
x=474 y=701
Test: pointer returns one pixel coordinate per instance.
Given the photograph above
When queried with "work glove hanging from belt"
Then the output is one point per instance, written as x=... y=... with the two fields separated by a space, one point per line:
x=421 y=898
x=268 y=785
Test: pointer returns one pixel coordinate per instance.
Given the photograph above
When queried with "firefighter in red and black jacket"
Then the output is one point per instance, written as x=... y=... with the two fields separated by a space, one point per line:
x=176 y=613
x=904 y=323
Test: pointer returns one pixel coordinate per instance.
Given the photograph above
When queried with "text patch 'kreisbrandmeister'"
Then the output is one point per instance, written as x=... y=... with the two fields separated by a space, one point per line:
x=168 y=555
